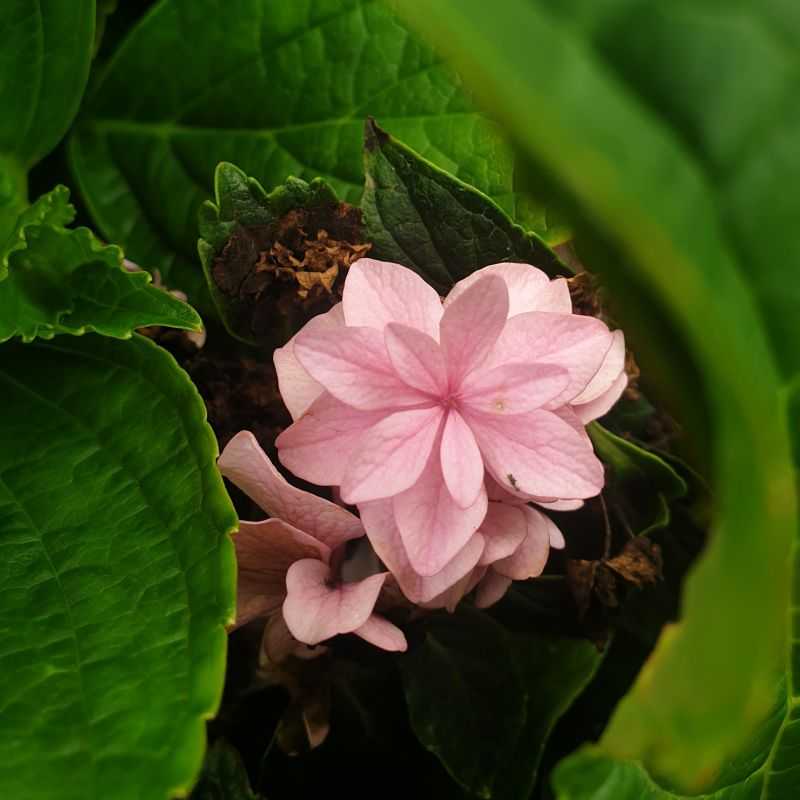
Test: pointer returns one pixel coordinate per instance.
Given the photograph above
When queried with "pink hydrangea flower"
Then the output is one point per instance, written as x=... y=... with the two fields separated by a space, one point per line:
x=287 y=564
x=411 y=405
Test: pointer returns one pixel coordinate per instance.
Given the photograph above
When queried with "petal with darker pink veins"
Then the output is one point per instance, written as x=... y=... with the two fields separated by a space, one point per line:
x=529 y=559
x=529 y=289
x=578 y=344
x=538 y=453
x=245 y=464
x=315 y=610
x=433 y=527
x=391 y=455
x=379 y=522
x=461 y=461
x=600 y=406
x=471 y=325
x=379 y=631
x=354 y=367
x=513 y=388
x=504 y=528
x=379 y=292
x=298 y=389
x=318 y=446
x=612 y=367
x=416 y=358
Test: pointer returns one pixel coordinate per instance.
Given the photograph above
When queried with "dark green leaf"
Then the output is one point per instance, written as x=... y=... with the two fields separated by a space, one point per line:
x=279 y=89
x=13 y=201
x=639 y=484
x=224 y=776
x=65 y=281
x=649 y=214
x=44 y=65
x=117 y=575
x=243 y=207
x=418 y=215
x=485 y=700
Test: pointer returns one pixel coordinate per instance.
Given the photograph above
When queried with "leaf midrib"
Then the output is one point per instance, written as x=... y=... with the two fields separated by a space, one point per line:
x=167 y=128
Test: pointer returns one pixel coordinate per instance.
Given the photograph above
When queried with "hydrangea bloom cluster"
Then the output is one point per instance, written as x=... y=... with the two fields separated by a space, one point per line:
x=443 y=422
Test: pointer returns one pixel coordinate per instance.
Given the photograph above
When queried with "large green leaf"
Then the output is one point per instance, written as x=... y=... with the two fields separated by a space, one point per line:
x=44 y=64
x=658 y=224
x=768 y=770
x=117 y=575
x=484 y=700
x=277 y=88
x=419 y=215
x=65 y=281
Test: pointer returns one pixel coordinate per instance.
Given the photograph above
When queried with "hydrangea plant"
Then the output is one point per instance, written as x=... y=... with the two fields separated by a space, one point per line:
x=398 y=398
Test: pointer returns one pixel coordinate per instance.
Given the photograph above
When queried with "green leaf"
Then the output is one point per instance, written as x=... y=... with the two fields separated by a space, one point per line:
x=117 y=574
x=418 y=215
x=224 y=776
x=535 y=215
x=277 y=88
x=639 y=484
x=485 y=700
x=44 y=66
x=242 y=204
x=657 y=220
x=65 y=281
x=13 y=201
x=767 y=770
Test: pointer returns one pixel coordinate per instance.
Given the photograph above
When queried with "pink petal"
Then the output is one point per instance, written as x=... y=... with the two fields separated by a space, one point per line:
x=318 y=446
x=513 y=388
x=264 y=552
x=529 y=289
x=556 y=538
x=491 y=589
x=354 y=367
x=432 y=525
x=244 y=463
x=379 y=292
x=379 y=522
x=504 y=529
x=471 y=325
x=587 y=412
x=558 y=505
x=578 y=344
x=314 y=610
x=461 y=461
x=416 y=358
x=450 y=598
x=298 y=389
x=531 y=556
x=391 y=455
x=379 y=631
x=612 y=367
x=500 y=494
x=538 y=453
